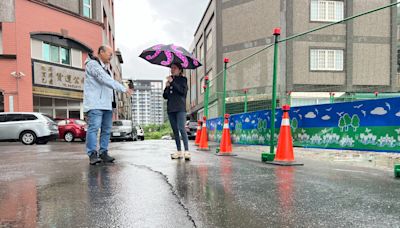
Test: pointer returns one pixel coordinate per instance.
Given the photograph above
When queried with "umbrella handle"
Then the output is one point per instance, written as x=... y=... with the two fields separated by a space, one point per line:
x=130 y=84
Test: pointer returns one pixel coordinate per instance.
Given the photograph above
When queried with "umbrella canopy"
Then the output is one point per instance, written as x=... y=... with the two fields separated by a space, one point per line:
x=166 y=55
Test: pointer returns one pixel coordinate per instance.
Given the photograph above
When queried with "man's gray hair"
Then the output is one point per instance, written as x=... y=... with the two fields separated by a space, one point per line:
x=102 y=48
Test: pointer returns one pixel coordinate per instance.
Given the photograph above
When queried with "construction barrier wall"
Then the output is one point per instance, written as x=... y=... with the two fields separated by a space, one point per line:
x=369 y=125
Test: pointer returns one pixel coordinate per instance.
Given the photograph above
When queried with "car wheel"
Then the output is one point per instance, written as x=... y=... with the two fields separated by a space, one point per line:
x=28 y=137
x=83 y=139
x=69 y=137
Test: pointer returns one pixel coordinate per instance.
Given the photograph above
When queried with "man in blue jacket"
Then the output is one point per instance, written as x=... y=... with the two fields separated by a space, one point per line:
x=99 y=89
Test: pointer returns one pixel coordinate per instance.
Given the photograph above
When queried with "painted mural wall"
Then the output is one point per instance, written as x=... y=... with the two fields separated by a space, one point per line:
x=362 y=125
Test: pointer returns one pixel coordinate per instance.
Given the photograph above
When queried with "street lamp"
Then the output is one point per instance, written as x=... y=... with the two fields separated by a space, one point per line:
x=17 y=76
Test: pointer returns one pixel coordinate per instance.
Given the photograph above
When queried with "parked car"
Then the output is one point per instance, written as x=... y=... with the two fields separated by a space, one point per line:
x=140 y=132
x=71 y=129
x=123 y=130
x=191 y=129
x=27 y=127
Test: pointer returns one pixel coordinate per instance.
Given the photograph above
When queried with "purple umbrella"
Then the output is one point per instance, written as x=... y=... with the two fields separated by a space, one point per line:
x=166 y=55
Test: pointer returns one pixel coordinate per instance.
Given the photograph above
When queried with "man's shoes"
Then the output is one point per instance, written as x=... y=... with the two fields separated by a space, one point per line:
x=187 y=156
x=94 y=159
x=106 y=158
x=177 y=155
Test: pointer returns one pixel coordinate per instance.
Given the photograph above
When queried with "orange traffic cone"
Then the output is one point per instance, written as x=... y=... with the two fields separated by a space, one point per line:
x=284 y=152
x=204 y=137
x=225 y=148
x=198 y=133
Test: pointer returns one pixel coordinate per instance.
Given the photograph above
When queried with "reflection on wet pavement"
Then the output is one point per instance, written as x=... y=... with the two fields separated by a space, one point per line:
x=53 y=186
x=18 y=206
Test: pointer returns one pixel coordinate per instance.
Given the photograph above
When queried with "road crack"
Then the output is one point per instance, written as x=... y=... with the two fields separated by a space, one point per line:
x=173 y=191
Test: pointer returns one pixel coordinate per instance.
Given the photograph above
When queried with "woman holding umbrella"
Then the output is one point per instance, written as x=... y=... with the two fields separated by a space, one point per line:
x=177 y=58
x=175 y=92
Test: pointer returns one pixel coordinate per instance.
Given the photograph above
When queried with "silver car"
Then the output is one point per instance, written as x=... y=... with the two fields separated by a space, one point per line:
x=27 y=127
x=123 y=130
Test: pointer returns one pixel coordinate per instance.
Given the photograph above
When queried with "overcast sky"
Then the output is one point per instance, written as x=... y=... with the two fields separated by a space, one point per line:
x=141 y=24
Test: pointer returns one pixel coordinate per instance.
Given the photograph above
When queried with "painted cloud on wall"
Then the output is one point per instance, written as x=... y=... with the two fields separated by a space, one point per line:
x=310 y=115
x=326 y=117
x=379 y=111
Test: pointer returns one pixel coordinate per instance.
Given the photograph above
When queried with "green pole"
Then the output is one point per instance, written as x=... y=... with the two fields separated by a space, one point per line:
x=289 y=98
x=226 y=61
x=245 y=100
x=332 y=98
x=277 y=32
x=206 y=94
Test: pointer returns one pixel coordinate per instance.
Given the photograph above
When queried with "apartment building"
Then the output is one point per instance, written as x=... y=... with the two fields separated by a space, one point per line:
x=148 y=102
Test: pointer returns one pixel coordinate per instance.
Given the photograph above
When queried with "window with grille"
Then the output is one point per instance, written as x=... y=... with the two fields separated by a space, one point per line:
x=326 y=60
x=202 y=84
x=201 y=52
x=209 y=39
x=327 y=11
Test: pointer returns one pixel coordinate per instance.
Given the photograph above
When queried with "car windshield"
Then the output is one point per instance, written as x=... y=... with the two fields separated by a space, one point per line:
x=117 y=123
x=80 y=122
x=48 y=118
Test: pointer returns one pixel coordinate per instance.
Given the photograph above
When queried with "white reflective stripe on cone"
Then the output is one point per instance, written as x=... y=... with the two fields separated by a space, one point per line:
x=204 y=125
x=285 y=122
x=226 y=125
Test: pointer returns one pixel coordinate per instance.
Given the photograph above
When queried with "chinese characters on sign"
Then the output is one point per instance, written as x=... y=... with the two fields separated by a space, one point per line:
x=58 y=76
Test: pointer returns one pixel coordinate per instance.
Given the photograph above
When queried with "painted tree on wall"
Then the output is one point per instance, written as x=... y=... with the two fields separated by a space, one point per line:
x=265 y=124
x=294 y=124
x=347 y=121
x=342 y=123
x=260 y=125
x=238 y=128
x=355 y=122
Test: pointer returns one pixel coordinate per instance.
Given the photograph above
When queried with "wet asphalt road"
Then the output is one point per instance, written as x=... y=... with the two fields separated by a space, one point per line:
x=53 y=186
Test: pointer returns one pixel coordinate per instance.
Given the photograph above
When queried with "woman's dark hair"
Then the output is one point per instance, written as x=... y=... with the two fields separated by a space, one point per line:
x=179 y=67
x=91 y=56
x=101 y=48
